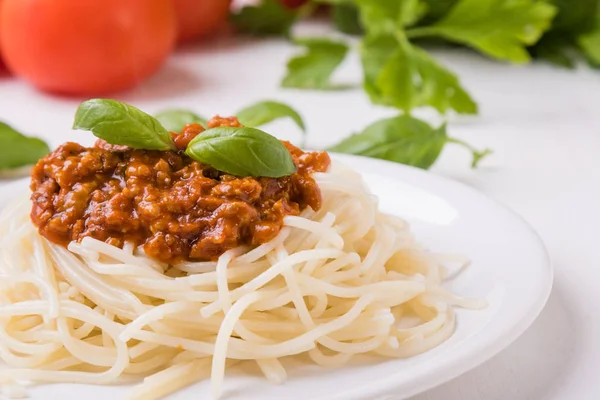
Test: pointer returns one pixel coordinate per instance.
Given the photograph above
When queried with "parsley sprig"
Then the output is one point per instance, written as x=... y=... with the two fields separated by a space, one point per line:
x=399 y=72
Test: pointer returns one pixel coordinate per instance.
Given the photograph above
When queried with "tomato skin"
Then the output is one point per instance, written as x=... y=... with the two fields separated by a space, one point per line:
x=200 y=18
x=1 y=63
x=86 y=47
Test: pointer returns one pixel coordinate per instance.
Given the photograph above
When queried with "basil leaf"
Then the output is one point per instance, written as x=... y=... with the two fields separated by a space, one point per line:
x=174 y=120
x=268 y=18
x=17 y=150
x=266 y=111
x=313 y=69
x=122 y=124
x=402 y=139
x=242 y=152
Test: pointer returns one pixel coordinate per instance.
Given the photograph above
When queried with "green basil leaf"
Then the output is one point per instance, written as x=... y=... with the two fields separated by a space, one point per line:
x=499 y=28
x=313 y=69
x=122 y=124
x=268 y=18
x=266 y=111
x=242 y=152
x=402 y=139
x=174 y=120
x=17 y=150
x=406 y=77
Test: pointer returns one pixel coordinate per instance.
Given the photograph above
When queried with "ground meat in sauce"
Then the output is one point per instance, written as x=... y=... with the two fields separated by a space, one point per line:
x=177 y=208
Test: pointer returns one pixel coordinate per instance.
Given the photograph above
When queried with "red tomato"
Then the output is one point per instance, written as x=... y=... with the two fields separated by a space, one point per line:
x=1 y=63
x=86 y=46
x=200 y=18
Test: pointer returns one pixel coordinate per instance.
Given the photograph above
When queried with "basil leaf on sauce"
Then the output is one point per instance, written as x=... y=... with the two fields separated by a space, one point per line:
x=266 y=111
x=121 y=124
x=242 y=151
x=174 y=120
x=17 y=150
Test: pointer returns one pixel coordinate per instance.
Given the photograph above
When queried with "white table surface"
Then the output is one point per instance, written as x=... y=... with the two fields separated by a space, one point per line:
x=543 y=124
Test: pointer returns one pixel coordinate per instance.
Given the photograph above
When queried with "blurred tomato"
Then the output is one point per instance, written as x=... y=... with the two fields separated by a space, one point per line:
x=86 y=46
x=200 y=18
x=1 y=63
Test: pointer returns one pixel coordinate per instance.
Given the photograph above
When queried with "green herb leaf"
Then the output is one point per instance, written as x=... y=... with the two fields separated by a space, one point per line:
x=379 y=16
x=436 y=9
x=268 y=18
x=589 y=44
x=313 y=69
x=242 y=152
x=572 y=27
x=346 y=19
x=402 y=139
x=174 y=120
x=404 y=76
x=411 y=11
x=17 y=150
x=554 y=49
x=499 y=28
x=574 y=17
x=122 y=124
x=266 y=111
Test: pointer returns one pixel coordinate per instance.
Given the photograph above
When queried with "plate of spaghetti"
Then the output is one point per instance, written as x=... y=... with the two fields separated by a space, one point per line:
x=219 y=262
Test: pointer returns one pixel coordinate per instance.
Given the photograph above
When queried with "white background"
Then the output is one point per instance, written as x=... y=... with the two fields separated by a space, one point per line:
x=543 y=124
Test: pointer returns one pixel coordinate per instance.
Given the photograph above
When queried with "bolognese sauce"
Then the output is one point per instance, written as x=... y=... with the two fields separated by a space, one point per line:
x=175 y=207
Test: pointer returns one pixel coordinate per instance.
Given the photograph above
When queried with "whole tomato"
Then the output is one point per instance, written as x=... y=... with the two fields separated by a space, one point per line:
x=86 y=47
x=200 y=18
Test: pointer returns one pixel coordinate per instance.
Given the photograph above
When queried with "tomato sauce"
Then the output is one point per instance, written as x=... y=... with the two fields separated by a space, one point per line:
x=175 y=207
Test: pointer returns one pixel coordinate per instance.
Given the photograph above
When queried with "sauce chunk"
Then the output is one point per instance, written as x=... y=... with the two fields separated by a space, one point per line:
x=177 y=208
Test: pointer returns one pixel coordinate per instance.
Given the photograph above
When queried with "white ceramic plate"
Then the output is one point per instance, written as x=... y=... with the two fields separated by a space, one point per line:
x=510 y=269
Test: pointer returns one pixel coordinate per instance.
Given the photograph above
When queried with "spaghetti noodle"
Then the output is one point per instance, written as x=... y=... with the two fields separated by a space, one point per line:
x=334 y=283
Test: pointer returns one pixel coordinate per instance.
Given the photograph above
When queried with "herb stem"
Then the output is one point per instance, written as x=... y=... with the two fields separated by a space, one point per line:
x=420 y=32
x=400 y=35
x=477 y=155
